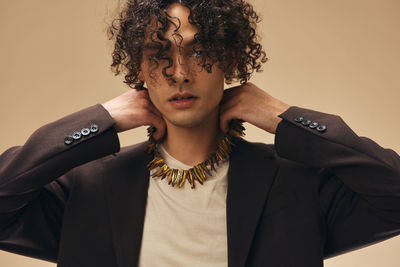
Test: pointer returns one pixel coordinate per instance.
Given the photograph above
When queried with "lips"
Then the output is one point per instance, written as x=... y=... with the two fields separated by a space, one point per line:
x=181 y=96
x=183 y=101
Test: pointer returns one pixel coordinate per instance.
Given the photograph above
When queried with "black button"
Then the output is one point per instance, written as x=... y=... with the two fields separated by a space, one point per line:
x=68 y=140
x=306 y=122
x=94 y=128
x=313 y=125
x=85 y=131
x=299 y=119
x=321 y=128
x=76 y=135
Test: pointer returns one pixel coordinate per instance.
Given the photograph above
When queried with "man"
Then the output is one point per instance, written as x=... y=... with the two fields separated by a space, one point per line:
x=319 y=191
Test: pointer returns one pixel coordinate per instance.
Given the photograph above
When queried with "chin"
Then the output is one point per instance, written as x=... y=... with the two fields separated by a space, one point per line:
x=187 y=122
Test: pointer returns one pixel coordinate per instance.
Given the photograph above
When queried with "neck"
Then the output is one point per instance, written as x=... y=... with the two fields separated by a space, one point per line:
x=193 y=145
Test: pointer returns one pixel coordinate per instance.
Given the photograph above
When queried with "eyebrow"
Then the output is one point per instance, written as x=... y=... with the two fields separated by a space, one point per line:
x=154 y=45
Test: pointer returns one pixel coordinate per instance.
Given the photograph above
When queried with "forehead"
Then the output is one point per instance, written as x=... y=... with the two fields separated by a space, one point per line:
x=179 y=16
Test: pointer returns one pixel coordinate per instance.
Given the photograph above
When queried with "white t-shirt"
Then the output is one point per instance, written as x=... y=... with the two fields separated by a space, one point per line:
x=184 y=226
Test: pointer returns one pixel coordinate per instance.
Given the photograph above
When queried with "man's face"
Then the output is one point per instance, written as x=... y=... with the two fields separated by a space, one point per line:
x=188 y=79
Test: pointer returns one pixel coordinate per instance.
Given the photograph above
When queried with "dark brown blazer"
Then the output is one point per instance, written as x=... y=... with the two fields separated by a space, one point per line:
x=313 y=194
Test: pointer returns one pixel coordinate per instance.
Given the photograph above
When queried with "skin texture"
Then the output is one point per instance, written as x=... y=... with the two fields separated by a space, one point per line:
x=192 y=134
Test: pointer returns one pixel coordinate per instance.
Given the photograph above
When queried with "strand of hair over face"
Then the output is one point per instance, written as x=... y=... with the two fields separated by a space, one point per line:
x=227 y=35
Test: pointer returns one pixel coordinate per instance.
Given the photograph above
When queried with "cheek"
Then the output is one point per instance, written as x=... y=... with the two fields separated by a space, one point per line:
x=153 y=85
x=219 y=95
x=216 y=88
x=214 y=97
x=155 y=98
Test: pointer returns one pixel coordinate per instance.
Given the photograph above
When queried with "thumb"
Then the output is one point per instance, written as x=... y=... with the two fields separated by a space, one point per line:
x=224 y=119
x=159 y=124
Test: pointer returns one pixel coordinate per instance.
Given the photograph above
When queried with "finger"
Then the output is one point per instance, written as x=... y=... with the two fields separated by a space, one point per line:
x=155 y=117
x=229 y=104
x=150 y=104
x=158 y=123
x=154 y=110
x=228 y=94
x=225 y=117
x=232 y=90
x=139 y=87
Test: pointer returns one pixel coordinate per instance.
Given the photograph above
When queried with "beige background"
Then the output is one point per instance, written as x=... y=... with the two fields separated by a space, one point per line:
x=338 y=57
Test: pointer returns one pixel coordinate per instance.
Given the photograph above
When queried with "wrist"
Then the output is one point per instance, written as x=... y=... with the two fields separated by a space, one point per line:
x=276 y=120
x=112 y=115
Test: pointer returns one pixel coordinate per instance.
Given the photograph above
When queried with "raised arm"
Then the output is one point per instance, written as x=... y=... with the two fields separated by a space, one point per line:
x=360 y=183
x=36 y=178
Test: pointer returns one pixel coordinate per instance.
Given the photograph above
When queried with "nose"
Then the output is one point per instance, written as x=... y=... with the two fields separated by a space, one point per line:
x=180 y=71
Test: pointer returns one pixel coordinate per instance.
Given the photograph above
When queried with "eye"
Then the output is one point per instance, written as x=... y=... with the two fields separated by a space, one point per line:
x=197 y=53
x=154 y=57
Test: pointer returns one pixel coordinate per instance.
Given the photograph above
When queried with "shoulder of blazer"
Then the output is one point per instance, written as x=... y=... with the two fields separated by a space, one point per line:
x=135 y=154
x=262 y=150
x=243 y=146
x=127 y=156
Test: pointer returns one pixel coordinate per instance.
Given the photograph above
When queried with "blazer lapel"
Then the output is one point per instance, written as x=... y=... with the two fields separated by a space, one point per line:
x=251 y=173
x=126 y=178
x=126 y=181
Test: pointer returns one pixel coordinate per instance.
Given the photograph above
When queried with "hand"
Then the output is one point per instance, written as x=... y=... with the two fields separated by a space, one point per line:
x=249 y=103
x=133 y=109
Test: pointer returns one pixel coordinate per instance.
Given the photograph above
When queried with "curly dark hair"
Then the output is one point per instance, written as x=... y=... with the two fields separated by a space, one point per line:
x=226 y=33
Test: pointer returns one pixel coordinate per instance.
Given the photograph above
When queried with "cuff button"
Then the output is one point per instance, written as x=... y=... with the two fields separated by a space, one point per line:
x=313 y=125
x=321 y=128
x=85 y=131
x=298 y=119
x=76 y=135
x=306 y=122
x=68 y=140
x=94 y=128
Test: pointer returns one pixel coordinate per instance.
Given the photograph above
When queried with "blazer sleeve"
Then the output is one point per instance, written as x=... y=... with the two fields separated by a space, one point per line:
x=35 y=179
x=359 y=183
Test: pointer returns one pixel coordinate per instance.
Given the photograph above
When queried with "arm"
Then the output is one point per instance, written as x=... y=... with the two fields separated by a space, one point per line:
x=35 y=180
x=360 y=185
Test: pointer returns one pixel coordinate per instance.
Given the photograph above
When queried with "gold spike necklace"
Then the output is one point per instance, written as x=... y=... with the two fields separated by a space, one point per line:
x=201 y=171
